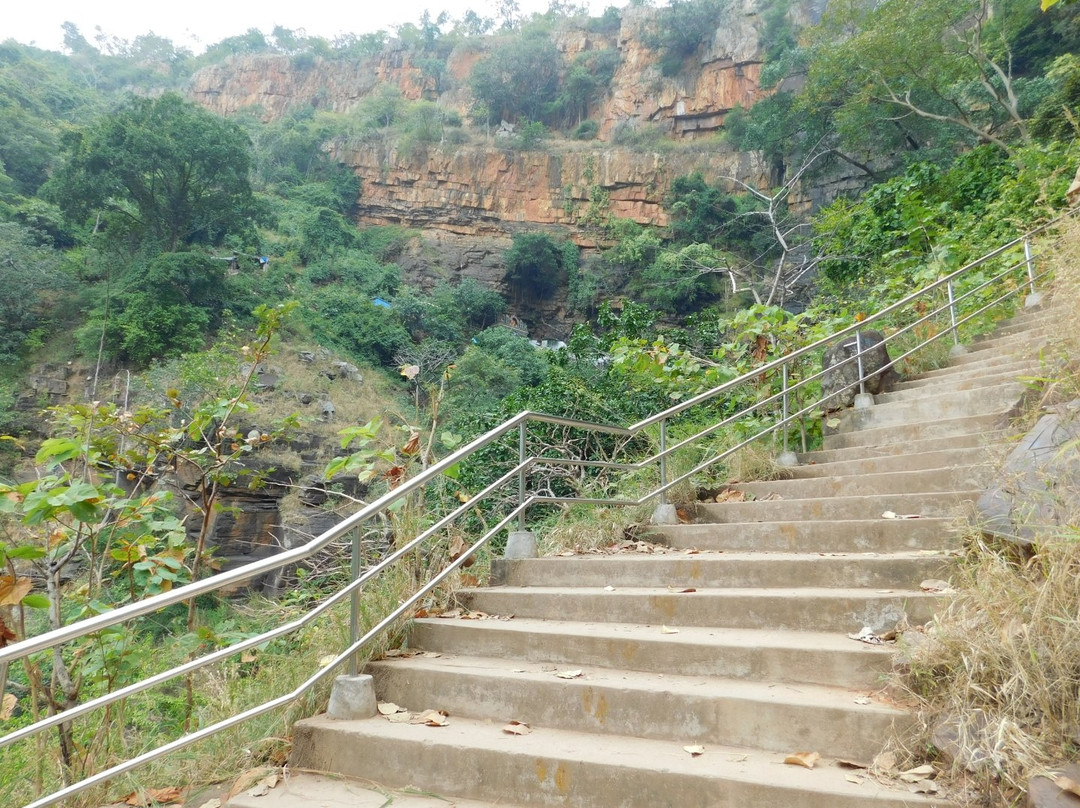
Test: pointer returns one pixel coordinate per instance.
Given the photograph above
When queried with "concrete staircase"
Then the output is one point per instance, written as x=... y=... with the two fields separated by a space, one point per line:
x=735 y=637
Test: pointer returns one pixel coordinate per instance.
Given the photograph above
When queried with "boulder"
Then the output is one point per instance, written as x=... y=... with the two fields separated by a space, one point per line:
x=840 y=384
x=1043 y=792
x=1034 y=487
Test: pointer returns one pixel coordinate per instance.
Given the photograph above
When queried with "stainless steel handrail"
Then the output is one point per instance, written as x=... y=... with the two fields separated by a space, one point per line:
x=525 y=464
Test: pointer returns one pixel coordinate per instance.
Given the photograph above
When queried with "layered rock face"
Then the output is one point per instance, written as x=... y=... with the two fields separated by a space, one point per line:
x=485 y=188
x=478 y=190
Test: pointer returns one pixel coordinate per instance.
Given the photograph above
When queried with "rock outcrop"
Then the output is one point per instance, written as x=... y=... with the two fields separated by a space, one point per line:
x=485 y=188
x=476 y=190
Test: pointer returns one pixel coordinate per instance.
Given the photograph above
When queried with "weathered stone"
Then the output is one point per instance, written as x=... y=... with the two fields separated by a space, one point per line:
x=347 y=370
x=1044 y=793
x=963 y=742
x=306 y=356
x=1026 y=497
x=840 y=384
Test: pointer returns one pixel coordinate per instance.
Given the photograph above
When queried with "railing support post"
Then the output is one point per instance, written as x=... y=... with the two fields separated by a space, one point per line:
x=521 y=474
x=664 y=513
x=952 y=314
x=787 y=457
x=354 y=604
x=663 y=460
x=1029 y=260
x=858 y=359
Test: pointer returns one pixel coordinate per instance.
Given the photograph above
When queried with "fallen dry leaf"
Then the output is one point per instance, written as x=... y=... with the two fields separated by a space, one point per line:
x=431 y=718
x=469 y=580
x=681 y=591
x=517 y=728
x=326 y=659
x=804 y=759
x=935 y=585
x=262 y=788
x=862 y=700
x=400 y=718
x=246 y=779
x=389 y=708
x=475 y=616
x=851 y=764
x=161 y=796
x=7 y=706
x=668 y=630
x=894 y=515
x=854 y=778
x=923 y=787
x=214 y=803
x=694 y=751
x=731 y=496
x=13 y=590
x=574 y=674
x=918 y=773
x=451 y=614
x=1067 y=784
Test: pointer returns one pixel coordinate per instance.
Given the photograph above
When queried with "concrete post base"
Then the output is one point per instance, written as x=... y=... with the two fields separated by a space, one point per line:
x=957 y=350
x=665 y=515
x=864 y=401
x=787 y=459
x=352 y=698
x=1033 y=300
x=521 y=544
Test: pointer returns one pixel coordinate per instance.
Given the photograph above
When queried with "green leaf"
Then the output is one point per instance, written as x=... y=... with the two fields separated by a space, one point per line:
x=54 y=451
x=25 y=552
x=36 y=601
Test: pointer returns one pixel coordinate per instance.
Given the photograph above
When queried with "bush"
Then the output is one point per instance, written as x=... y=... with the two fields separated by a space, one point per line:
x=534 y=265
x=586 y=130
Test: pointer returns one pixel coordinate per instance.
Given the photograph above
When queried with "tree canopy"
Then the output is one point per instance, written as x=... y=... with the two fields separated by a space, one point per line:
x=163 y=171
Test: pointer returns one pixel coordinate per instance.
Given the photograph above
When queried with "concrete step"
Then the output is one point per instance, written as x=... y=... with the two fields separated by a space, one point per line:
x=1031 y=338
x=992 y=359
x=976 y=458
x=687 y=709
x=307 y=790
x=729 y=570
x=868 y=484
x=794 y=608
x=849 y=536
x=919 y=391
x=999 y=365
x=1000 y=398
x=962 y=379
x=905 y=434
x=970 y=440
x=551 y=767
x=793 y=657
x=836 y=508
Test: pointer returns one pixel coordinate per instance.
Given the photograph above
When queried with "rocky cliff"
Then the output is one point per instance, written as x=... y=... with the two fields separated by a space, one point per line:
x=483 y=188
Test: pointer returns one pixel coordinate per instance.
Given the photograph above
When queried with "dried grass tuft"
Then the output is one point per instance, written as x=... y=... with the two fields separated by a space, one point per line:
x=997 y=673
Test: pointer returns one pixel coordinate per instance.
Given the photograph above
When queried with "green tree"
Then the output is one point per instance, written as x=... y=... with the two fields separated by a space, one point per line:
x=535 y=264
x=164 y=171
x=519 y=78
x=31 y=277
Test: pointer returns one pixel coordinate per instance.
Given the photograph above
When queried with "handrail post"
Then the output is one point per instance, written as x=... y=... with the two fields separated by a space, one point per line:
x=787 y=457
x=354 y=605
x=858 y=357
x=952 y=314
x=521 y=474
x=663 y=460
x=1029 y=259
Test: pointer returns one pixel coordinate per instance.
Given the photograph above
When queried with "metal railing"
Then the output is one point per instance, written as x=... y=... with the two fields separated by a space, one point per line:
x=960 y=305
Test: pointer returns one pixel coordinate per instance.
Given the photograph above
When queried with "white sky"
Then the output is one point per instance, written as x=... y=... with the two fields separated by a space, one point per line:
x=198 y=23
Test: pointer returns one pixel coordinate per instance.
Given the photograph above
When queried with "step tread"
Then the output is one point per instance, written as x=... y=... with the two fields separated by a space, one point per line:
x=702 y=685
x=551 y=751
x=710 y=636
x=309 y=790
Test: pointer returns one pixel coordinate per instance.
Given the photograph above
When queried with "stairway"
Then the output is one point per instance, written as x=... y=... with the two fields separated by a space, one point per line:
x=733 y=636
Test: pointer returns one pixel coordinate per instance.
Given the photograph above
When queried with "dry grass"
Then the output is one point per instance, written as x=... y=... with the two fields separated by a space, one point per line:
x=997 y=673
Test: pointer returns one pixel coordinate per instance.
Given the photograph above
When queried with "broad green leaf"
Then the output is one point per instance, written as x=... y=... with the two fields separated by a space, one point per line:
x=36 y=600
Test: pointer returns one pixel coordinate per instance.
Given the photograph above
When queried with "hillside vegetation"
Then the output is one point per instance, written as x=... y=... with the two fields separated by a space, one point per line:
x=140 y=232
